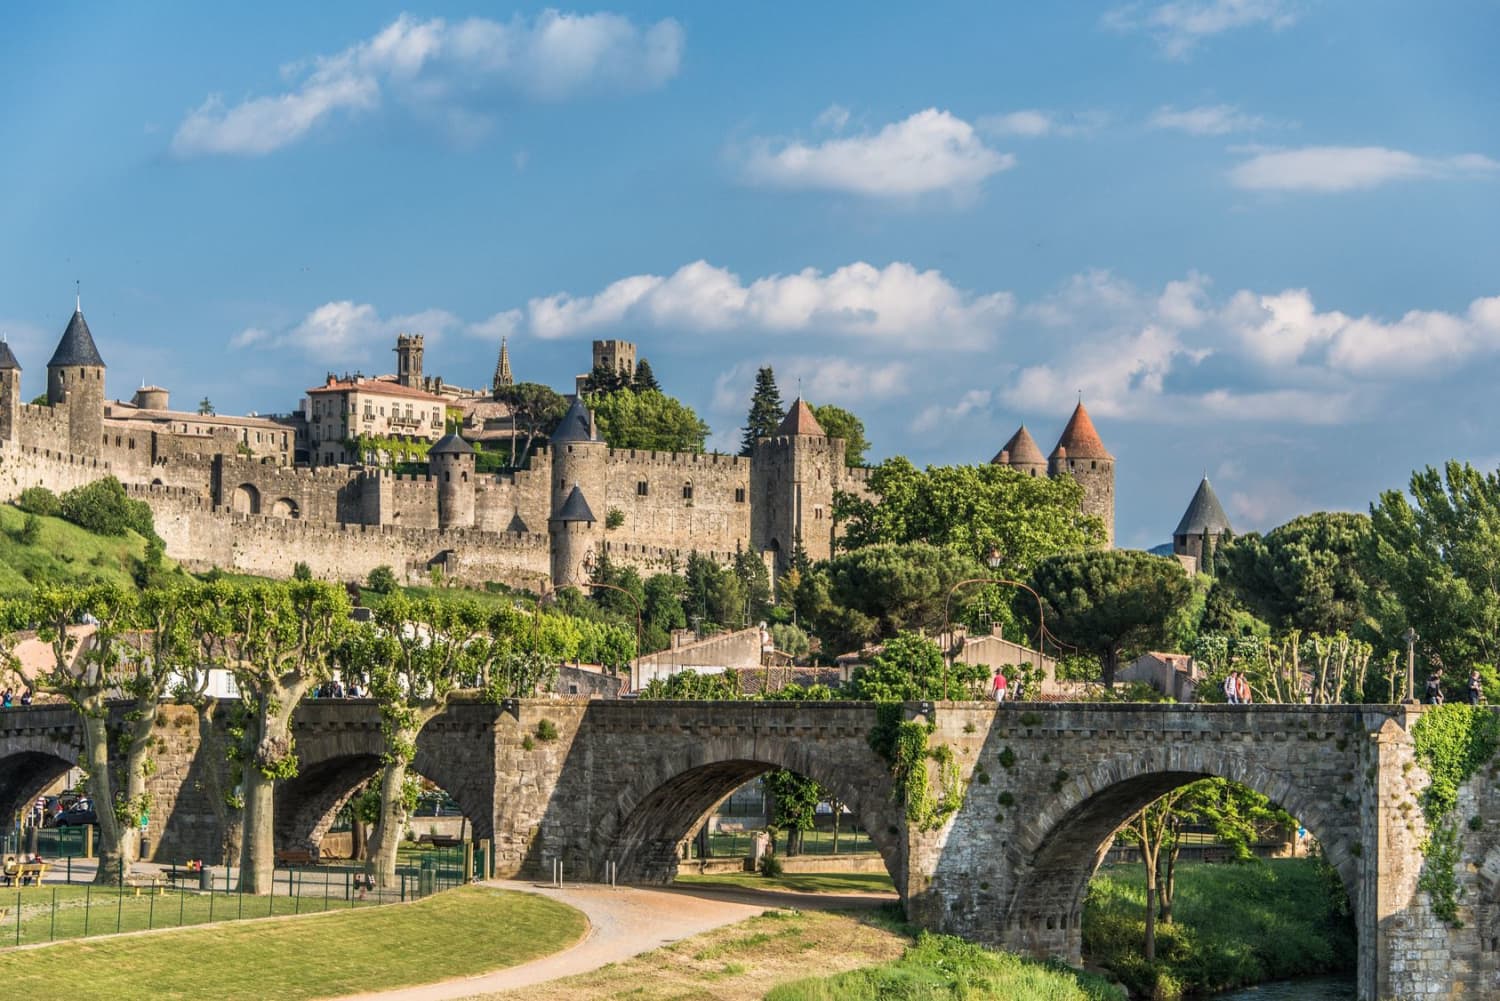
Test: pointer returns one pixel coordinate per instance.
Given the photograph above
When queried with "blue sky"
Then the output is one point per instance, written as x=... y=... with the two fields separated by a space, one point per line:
x=1259 y=236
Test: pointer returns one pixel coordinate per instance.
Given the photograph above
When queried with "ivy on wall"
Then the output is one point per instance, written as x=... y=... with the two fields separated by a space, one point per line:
x=903 y=744
x=1452 y=743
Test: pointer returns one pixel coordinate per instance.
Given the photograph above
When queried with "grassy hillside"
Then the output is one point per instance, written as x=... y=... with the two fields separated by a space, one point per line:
x=63 y=554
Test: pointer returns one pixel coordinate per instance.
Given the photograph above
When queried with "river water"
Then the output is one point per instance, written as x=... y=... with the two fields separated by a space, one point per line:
x=1312 y=989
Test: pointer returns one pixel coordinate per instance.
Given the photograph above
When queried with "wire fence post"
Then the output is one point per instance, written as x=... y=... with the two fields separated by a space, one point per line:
x=18 y=916
x=151 y=913
x=181 y=901
x=52 y=932
x=88 y=893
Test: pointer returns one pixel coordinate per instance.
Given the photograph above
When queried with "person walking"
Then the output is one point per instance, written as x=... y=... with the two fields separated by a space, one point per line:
x=1435 y=687
x=1476 y=689
x=1000 y=685
x=1232 y=687
x=1243 y=695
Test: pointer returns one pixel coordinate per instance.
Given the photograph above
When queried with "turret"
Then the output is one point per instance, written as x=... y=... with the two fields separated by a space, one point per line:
x=572 y=533
x=409 y=360
x=75 y=379
x=1203 y=524
x=451 y=463
x=1022 y=454
x=10 y=395
x=1082 y=455
x=579 y=457
x=793 y=477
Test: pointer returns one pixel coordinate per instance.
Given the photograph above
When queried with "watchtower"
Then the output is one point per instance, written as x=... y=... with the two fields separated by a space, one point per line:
x=573 y=536
x=579 y=457
x=451 y=463
x=409 y=360
x=75 y=380
x=793 y=477
x=1021 y=454
x=1081 y=454
x=617 y=356
x=10 y=394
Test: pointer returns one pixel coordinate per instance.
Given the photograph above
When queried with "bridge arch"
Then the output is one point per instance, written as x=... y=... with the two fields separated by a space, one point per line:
x=24 y=774
x=1057 y=853
x=668 y=797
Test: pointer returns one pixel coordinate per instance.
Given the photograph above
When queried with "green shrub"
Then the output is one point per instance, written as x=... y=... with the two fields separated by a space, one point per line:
x=382 y=580
x=301 y=571
x=770 y=866
x=546 y=730
x=39 y=500
x=30 y=532
x=103 y=508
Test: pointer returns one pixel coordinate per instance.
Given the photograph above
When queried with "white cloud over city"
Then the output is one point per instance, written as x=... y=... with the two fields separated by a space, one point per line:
x=1180 y=26
x=1333 y=169
x=452 y=72
x=929 y=151
x=1205 y=120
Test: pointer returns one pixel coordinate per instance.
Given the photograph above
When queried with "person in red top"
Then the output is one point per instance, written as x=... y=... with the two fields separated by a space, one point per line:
x=1000 y=685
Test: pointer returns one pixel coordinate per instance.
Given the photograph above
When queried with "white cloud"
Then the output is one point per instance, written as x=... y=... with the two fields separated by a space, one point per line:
x=447 y=71
x=930 y=151
x=1179 y=25
x=1033 y=123
x=346 y=332
x=896 y=303
x=1349 y=168
x=834 y=117
x=938 y=416
x=1206 y=120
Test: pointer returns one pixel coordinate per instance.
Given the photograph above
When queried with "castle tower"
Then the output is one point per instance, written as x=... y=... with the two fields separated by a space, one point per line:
x=617 y=356
x=1082 y=455
x=1022 y=454
x=573 y=538
x=75 y=379
x=451 y=462
x=793 y=477
x=409 y=360
x=579 y=457
x=1203 y=524
x=503 y=377
x=10 y=394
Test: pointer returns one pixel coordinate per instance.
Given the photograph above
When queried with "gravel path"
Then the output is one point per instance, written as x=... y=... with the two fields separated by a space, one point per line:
x=623 y=923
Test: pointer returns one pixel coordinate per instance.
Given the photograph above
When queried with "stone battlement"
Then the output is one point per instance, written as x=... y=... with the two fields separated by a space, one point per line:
x=684 y=460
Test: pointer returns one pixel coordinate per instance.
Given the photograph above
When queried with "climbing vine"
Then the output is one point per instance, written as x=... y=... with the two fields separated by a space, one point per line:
x=1452 y=742
x=903 y=743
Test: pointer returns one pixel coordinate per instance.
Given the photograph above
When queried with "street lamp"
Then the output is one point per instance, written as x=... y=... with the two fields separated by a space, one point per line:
x=634 y=601
x=1041 y=615
x=1410 y=637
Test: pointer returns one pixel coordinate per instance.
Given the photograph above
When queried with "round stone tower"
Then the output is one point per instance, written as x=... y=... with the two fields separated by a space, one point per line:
x=75 y=380
x=579 y=457
x=1022 y=454
x=573 y=538
x=10 y=394
x=151 y=398
x=451 y=463
x=1081 y=454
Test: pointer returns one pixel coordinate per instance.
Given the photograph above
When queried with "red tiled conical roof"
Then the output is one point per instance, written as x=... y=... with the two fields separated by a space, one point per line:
x=1079 y=438
x=1021 y=450
x=800 y=420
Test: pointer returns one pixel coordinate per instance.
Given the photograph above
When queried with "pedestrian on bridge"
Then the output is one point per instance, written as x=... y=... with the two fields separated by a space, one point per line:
x=1476 y=689
x=1000 y=685
x=1435 y=687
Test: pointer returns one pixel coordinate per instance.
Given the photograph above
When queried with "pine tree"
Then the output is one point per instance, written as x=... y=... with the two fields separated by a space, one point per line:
x=644 y=377
x=766 y=411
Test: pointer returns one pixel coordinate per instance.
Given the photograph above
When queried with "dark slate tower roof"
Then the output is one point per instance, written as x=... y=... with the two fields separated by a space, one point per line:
x=451 y=444
x=1021 y=450
x=1204 y=515
x=575 y=508
x=77 y=345
x=800 y=420
x=1079 y=439
x=577 y=425
x=8 y=358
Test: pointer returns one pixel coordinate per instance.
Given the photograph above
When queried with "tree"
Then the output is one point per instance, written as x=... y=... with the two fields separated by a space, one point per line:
x=382 y=580
x=278 y=639
x=535 y=411
x=766 y=411
x=990 y=512
x=103 y=507
x=663 y=611
x=648 y=419
x=881 y=590
x=1308 y=574
x=416 y=655
x=1436 y=560
x=1107 y=601
x=910 y=668
x=712 y=594
x=837 y=422
x=756 y=581
x=644 y=378
x=206 y=408
x=602 y=380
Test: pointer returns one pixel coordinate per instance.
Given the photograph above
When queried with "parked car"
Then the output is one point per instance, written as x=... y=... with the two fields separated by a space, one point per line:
x=75 y=816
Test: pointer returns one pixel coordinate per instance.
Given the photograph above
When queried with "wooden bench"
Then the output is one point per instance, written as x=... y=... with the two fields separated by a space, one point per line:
x=174 y=874
x=139 y=881
x=440 y=840
x=295 y=856
x=31 y=872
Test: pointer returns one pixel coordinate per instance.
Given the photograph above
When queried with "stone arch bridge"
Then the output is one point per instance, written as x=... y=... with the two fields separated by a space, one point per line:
x=1044 y=788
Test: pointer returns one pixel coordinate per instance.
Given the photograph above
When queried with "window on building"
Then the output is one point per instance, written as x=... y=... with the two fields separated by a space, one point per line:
x=687 y=491
x=818 y=513
x=640 y=488
x=739 y=495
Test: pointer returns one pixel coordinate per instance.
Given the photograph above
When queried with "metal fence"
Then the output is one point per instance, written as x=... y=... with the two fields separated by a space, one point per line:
x=49 y=842
x=736 y=844
x=146 y=900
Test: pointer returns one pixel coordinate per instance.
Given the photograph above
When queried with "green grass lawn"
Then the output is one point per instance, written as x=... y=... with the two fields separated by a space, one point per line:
x=800 y=882
x=1233 y=925
x=943 y=968
x=458 y=933
x=64 y=553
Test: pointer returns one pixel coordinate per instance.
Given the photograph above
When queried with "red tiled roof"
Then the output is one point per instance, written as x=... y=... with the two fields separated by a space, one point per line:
x=379 y=386
x=800 y=420
x=1021 y=450
x=1080 y=439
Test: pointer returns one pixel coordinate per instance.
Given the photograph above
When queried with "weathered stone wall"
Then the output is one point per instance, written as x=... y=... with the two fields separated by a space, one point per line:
x=518 y=501
x=24 y=466
x=715 y=517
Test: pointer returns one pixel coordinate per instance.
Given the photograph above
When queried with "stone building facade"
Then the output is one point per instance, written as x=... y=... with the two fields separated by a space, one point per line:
x=225 y=492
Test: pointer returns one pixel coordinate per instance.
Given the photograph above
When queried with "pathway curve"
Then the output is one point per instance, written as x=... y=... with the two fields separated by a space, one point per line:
x=623 y=923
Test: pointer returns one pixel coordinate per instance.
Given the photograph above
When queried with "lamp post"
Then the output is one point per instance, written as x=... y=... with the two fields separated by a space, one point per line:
x=1411 y=664
x=1041 y=616
x=637 y=603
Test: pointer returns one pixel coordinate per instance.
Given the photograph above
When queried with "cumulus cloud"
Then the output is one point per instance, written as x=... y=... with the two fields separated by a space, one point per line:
x=937 y=416
x=1349 y=168
x=344 y=331
x=1033 y=123
x=1179 y=25
x=930 y=151
x=1206 y=120
x=896 y=303
x=451 y=72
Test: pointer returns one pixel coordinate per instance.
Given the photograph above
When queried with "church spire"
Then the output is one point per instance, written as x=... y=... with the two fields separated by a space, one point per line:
x=502 y=368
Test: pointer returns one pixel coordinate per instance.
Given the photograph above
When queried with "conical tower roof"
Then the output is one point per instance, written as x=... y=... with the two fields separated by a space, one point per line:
x=451 y=444
x=1079 y=438
x=800 y=420
x=1204 y=514
x=77 y=345
x=8 y=358
x=575 y=508
x=577 y=424
x=1021 y=450
x=502 y=367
